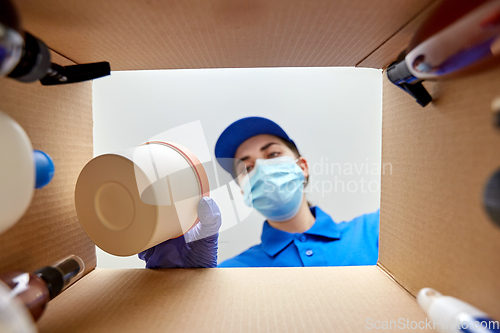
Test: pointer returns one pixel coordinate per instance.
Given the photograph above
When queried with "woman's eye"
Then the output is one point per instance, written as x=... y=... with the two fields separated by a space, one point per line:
x=249 y=168
x=273 y=154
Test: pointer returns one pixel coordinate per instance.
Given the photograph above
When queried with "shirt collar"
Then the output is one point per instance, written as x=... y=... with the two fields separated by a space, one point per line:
x=324 y=225
x=274 y=240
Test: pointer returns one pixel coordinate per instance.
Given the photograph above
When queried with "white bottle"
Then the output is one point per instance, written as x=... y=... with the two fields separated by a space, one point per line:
x=21 y=171
x=472 y=38
x=17 y=175
x=449 y=314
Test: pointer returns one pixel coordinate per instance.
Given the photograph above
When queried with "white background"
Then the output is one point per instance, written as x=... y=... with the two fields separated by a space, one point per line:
x=334 y=115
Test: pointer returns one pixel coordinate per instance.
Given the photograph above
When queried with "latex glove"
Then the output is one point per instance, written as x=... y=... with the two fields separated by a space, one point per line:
x=197 y=248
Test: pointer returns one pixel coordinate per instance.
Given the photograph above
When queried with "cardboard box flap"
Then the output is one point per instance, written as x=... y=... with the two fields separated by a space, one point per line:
x=321 y=299
x=58 y=121
x=434 y=230
x=388 y=51
x=138 y=35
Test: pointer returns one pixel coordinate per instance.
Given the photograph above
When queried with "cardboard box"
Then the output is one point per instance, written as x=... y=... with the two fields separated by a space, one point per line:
x=434 y=231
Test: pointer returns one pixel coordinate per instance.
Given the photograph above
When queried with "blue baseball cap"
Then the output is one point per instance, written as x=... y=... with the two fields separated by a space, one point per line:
x=240 y=131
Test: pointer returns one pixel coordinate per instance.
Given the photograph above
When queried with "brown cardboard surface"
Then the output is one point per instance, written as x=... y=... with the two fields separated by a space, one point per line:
x=322 y=299
x=58 y=120
x=434 y=231
x=389 y=50
x=139 y=35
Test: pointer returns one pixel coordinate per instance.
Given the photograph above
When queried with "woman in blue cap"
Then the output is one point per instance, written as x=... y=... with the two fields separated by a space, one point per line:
x=272 y=175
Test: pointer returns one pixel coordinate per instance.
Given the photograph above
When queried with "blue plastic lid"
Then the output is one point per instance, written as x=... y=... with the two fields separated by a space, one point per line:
x=44 y=168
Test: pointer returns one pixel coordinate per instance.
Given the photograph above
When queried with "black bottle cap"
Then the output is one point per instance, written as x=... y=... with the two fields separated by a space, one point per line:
x=62 y=274
x=399 y=74
x=54 y=279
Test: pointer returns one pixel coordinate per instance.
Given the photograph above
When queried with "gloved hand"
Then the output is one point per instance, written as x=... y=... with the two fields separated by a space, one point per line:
x=197 y=248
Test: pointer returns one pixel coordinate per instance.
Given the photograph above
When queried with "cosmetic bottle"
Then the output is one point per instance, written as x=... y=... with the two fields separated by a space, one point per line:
x=22 y=170
x=449 y=314
x=459 y=38
x=36 y=289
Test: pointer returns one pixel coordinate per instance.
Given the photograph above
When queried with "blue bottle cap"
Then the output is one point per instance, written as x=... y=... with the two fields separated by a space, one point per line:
x=44 y=167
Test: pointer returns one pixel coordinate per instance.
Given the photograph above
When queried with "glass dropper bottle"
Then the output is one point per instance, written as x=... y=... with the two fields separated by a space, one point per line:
x=36 y=289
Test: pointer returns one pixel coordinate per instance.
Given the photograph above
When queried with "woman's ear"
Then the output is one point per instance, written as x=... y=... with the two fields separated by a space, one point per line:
x=303 y=165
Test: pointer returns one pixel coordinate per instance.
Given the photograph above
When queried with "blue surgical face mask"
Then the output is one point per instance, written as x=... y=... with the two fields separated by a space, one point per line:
x=274 y=187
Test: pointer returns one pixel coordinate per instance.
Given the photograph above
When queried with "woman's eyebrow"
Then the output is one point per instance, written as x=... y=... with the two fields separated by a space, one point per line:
x=268 y=145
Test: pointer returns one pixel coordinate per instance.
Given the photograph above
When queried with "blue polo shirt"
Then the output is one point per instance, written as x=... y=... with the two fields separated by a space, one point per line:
x=326 y=244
